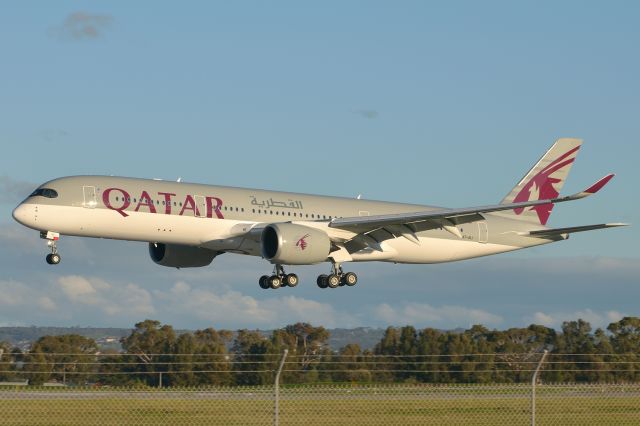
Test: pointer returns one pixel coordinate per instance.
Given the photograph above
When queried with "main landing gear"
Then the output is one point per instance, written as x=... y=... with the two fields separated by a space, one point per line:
x=278 y=279
x=52 y=238
x=337 y=278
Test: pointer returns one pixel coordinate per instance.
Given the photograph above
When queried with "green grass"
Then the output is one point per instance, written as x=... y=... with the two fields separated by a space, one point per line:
x=315 y=406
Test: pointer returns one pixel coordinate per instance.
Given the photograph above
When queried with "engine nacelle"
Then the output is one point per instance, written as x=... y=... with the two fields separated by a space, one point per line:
x=290 y=244
x=178 y=256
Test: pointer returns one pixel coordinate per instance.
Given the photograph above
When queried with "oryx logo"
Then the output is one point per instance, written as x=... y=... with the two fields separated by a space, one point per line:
x=302 y=242
x=541 y=187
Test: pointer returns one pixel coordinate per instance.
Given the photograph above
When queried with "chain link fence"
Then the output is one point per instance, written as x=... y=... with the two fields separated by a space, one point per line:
x=371 y=404
x=369 y=395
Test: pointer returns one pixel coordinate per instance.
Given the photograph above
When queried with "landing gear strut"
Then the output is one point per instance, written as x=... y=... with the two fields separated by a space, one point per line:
x=52 y=238
x=337 y=278
x=279 y=279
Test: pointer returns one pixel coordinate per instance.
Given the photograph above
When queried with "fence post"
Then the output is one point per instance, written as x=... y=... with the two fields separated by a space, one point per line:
x=160 y=380
x=534 y=380
x=276 y=408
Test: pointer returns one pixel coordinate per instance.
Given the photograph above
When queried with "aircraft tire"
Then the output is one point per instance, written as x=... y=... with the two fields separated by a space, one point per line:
x=350 y=279
x=333 y=281
x=322 y=281
x=291 y=280
x=264 y=282
x=275 y=282
x=53 y=258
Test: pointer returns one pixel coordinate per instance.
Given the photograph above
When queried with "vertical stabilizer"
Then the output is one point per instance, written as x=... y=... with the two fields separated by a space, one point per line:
x=543 y=182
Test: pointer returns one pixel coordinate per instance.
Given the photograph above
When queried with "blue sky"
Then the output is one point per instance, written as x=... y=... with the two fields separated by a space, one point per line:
x=436 y=103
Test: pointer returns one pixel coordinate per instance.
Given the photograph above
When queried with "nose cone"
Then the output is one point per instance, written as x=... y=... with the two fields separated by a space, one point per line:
x=23 y=214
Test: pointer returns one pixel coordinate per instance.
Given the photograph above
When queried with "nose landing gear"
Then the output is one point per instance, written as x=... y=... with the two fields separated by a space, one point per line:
x=52 y=238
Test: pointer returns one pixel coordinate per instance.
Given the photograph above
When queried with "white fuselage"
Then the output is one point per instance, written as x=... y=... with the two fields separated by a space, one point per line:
x=231 y=219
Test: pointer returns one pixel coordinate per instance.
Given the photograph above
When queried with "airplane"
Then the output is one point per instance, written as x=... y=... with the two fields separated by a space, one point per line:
x=188 y=225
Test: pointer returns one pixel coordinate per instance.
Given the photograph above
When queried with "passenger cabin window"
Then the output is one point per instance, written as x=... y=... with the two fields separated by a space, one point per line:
x=44 y=192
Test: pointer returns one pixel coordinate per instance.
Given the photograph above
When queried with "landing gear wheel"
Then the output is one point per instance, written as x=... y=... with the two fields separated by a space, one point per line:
x=291 y=280
x=350 y=279
x=322 y=281
x=333 y=281
x=53 y=258
x=275 y=282
x=264 y=282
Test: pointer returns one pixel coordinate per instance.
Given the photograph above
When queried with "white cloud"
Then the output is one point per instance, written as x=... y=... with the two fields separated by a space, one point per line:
x=543 y=319
x=555 y=319
x=81 y=290
x=239 y=310
x=14 y=293
x=419 y=314
x=113 y=300
x=83 y=26
x=45 y=302
x=180 y=288
x=497 y=293
x=614 y=316
x=17 y=297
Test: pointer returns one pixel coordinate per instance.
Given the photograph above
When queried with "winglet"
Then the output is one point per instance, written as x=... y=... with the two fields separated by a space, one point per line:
x=599 y=184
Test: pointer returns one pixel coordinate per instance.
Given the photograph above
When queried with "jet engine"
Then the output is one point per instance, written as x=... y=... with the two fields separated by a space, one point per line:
x=291 y=244
x=179 y=256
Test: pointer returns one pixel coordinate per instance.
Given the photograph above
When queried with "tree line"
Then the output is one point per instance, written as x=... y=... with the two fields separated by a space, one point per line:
x=155 y=352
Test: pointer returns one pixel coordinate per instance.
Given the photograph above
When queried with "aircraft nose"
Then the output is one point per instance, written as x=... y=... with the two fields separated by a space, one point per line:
x=21 y=214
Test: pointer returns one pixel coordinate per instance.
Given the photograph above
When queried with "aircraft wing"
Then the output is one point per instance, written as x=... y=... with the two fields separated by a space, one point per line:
x=372 y=230
x=563 y=233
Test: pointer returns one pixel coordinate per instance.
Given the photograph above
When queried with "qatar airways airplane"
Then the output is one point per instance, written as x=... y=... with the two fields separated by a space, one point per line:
x=188 y=225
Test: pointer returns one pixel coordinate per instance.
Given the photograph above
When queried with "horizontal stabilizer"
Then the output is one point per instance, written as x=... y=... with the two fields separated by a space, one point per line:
x=564 y=232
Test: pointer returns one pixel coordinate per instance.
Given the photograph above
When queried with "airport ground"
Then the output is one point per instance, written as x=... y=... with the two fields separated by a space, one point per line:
x=325 y=404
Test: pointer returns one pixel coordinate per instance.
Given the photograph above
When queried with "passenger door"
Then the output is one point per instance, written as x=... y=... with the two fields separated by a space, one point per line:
x=89 y=197
x=483 y=232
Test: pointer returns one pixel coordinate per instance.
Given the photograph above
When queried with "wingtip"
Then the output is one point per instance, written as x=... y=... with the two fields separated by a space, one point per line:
x=599 y=184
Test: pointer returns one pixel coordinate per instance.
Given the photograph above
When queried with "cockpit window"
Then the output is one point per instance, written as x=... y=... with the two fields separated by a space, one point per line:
x=45 y=192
